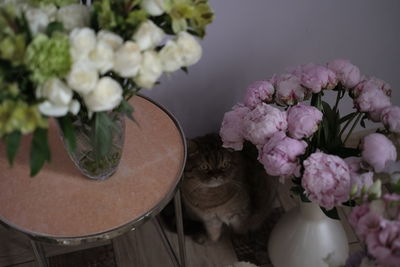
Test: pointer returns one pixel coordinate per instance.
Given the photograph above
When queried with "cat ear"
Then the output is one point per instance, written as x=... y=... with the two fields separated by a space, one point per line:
x=192 y=147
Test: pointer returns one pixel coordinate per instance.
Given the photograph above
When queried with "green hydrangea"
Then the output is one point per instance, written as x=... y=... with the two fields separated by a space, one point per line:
x=19 y=116
x=48 y=57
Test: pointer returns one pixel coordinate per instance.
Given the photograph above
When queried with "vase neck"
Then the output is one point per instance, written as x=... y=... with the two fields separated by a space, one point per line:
x=311 y=211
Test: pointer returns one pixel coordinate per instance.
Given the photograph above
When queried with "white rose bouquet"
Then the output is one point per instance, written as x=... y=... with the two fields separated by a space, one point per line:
x=69 y=61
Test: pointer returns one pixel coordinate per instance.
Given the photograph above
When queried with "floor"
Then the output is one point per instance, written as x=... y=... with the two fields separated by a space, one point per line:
x=143 y=246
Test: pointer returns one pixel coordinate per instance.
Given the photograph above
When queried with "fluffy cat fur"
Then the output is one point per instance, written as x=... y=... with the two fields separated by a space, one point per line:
x=223 y=187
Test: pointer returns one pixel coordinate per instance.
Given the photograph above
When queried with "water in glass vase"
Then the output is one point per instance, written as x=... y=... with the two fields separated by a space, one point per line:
x=86 y=157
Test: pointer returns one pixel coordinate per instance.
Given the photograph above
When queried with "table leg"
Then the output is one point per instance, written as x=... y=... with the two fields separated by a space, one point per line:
x=39 y=254
x=179 y=226
x=167 y=244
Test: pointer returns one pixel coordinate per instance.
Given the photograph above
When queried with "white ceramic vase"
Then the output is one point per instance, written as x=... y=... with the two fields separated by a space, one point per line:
x=305 y=236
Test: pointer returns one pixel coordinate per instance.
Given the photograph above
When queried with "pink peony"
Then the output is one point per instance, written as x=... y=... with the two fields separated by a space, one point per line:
x=257 y=92
x=326 y=179
x=348 y=74
x=372 y=101
x=357 y=213
x=371 y=83
x=390 y=116
x=384 y=243
x=303 y=121
x=289 y=90
x=231 y=129
x=262 y=122
x=317 y=77
x=363 y=179
x=378 y=151
x=280 y=155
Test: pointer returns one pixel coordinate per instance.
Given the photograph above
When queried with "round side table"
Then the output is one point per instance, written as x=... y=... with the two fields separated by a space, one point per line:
x=61 y=206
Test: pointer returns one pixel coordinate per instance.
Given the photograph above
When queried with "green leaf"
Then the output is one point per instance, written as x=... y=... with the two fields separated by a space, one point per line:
x=326 y=131
x=40 y=152
x=396 y=187
x=348 y=117
x=350 y=203
x=297 y=190
x=332 y=213
x=12 y=140
x=362 y=122
x=67 y=129
x=304 y=198
x=127 y=110
x=102 y=134
x=54 y=27
x=185 y=69
x=345 y=152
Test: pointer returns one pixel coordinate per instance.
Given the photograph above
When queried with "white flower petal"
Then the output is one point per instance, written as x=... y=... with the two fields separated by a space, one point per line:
x=106 y=96
x=49 y=109
x=74 y=16
x=102 y=57
x=150 y=70
x=83 y=77
x=112 y=39
x=148 y=36
x=127 y=60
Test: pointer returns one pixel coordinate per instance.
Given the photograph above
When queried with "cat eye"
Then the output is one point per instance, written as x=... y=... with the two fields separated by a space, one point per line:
x=225 y=165
x=204 y=167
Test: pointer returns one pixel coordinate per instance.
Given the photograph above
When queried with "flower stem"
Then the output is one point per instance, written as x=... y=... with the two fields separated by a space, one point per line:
x=346 y=125
x=337 y=100
x=352 y=127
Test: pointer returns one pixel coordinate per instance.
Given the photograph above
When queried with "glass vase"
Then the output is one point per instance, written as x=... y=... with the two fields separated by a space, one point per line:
x=305 y=236
x=85 y=156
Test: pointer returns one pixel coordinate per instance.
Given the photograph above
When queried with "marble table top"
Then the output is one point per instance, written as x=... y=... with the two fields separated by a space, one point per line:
x=60 y=202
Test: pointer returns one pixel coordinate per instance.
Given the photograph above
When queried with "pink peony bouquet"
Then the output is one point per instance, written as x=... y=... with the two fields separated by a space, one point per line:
x=302 y=138
x=377 y=224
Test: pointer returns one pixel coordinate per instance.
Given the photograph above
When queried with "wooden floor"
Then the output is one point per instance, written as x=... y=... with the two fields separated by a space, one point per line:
x=143 y=247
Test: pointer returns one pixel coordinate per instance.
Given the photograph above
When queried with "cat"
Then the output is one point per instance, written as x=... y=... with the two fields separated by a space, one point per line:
x=223 y=187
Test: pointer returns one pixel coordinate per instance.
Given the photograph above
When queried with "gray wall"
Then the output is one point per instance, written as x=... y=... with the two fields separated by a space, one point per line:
x=253 y=39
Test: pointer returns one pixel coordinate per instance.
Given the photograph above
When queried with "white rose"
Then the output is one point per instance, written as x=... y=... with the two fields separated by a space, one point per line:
x=49 y=109
x=82 y=41
x=154 y=7
x=190 y=47
x=74 y=16
x=112 y=39
x=58 y=98
x=102 y=57
x=149 y=35
x=74 y=107
x=171 y=57
x=83 y=77
x=37 y=20
x=56 y=92
x=50 y=10
x=150 y=70
x=127 y=59
x=106 y=96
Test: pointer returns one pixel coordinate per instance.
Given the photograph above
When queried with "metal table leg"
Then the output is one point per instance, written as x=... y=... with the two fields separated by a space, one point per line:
x=179 y=226
x=167 y=244
x=39 y=254
x=181 y=237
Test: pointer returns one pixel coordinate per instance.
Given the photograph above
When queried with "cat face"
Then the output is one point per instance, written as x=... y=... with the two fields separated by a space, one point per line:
x=210 y=163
